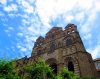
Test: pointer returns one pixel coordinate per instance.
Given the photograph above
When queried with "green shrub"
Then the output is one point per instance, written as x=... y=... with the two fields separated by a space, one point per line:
x=7 y=70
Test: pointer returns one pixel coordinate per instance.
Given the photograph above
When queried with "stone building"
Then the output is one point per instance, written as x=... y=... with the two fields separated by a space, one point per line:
x=97 y=65
x=63 y=48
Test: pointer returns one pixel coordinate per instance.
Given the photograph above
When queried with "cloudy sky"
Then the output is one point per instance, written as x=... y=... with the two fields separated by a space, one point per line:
x=22 y=21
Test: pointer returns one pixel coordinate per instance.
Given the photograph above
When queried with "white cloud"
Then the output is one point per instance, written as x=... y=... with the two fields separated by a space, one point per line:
x=95 y=51
x=84 y=12
x=23 y=49
x=38 y=23
x=12 y=7
x=47 y=11
x=19 y=34
x=88 y=25
x=3 y=2
x=1 y=14
x=28 y=7
x=97 y=5
x=9 y=29
x=87 y=36
x=85 y=4
x=69 y=18
x=80 y=17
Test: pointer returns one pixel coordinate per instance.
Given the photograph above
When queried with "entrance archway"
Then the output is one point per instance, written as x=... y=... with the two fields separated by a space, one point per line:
x=71 y=63
x=70 y=66
x=53 y=64
x=54 y=67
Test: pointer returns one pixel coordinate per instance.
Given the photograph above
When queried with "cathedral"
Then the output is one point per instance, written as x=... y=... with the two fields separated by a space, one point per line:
x=63 y=48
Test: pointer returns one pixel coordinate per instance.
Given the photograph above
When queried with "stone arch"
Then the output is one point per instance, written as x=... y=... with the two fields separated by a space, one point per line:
x=71 y=63
x=53 y=64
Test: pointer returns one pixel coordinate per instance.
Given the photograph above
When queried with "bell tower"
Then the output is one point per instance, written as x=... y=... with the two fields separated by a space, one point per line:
x=77 y=58
x=73 y=38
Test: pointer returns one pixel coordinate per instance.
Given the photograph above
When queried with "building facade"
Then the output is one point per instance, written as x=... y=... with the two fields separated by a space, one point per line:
x=97 y=65
x=63 y=48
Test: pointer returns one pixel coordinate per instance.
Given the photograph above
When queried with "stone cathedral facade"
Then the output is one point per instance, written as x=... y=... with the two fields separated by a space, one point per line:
x=64 y=48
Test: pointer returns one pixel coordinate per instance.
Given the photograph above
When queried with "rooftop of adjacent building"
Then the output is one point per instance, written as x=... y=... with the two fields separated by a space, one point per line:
x=97 y=59
x=97 y=64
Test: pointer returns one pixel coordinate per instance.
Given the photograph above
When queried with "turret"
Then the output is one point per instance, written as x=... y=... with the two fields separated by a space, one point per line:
x=73 y=37
x=70 y=28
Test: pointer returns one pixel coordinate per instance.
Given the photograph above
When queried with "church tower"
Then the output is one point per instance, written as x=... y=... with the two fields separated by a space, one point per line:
x=64 y=48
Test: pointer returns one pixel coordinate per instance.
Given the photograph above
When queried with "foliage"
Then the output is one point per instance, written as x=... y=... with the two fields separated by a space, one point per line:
x=65 y=74
x=7 y=70
x=39 y=70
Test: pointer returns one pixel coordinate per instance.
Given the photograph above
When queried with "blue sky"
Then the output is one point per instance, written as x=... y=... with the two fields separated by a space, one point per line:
x=22 y=21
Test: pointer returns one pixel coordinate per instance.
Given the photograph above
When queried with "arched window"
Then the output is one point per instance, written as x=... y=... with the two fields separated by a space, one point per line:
x=52 y=47
x=53 y=64
x=54 y=67
x=70 y=66
x=68 y=42
x=39 y=52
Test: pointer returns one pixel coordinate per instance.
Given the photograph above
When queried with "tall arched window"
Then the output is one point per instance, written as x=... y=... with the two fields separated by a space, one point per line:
x=70 y=66
x=54 y=67
x=52 y=47
x=68 y=42
x=39 y=52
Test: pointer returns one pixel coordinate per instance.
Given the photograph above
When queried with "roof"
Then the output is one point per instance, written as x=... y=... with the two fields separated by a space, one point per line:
x=97 y=59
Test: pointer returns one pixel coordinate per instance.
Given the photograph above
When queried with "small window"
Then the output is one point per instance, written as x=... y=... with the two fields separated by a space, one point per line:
x=39 y=52
x=52 y=47
x=68 y=42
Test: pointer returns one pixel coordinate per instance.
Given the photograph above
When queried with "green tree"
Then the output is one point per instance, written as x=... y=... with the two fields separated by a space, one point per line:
x=65 y=74
x=7 y=70
x=39 y=70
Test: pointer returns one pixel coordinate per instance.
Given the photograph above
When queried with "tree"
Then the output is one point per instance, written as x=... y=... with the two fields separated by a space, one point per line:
x=7 y=70
x=65 y=74
x=39 y=70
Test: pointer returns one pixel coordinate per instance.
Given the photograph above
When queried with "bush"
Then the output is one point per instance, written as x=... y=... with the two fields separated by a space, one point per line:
x=37 y=70
x=7 y=70
x=40 y=70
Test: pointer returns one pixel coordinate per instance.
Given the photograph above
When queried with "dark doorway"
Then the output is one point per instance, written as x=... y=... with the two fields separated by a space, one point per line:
x=70 y=66
x=54 y=67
